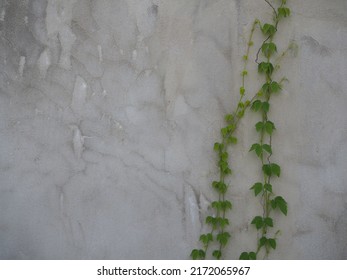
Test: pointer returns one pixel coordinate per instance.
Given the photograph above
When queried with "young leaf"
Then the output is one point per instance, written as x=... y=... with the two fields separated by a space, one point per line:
x=223 y=222
x=275 y=169
x=268 y=49
x=223 y=187
x=252 y=256
x=217 y=254
x=244 y=256
x=268 y=187
x=282 y=204
x=229 y=118
x=223 y=238
x=211 y=221
x=197 y=254
x=268 y=221
x=224 y=131
x=284 y=12
x=257 y=187
x=268 y=29
x=265 y=106
x=267 y=148
x=272 y=243
x=259 y=126
x=269 y=127
x=257 y=148
x=256 y=105
x=242 y=90
x=275 y=87
x=267 y=169
x=224 y=156
x=226 y=204
x=231 y=140
x=254 y=146
x=206 y=238
x=258 y=222
x=262 y=241
x=265 y=67
x=216 y=205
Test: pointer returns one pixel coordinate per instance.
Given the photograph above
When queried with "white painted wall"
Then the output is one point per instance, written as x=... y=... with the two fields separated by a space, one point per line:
x=108 y=115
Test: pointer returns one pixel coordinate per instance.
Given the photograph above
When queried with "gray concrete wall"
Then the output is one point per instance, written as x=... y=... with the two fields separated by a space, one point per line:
x=108 y=115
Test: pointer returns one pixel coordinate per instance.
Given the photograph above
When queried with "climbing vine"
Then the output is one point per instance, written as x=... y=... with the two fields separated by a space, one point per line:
x=219 y=222
x=263 y=148
x=219 y=234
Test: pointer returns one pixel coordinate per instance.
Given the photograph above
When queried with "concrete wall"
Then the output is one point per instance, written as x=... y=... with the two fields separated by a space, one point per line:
x=108 y=114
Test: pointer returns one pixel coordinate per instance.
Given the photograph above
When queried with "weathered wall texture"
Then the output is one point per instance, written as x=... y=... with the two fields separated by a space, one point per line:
x=109 y=110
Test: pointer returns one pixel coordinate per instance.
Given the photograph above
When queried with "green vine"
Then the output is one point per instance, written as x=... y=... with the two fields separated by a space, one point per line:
x=219 y=222
x=263 y=149
x=218 y=236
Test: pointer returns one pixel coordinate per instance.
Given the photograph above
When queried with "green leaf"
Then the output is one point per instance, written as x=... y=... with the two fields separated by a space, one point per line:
x=268 y=187
x=257 y=187
x=224 y=131
x=240 y=114
x=223 y=238
x=257 y=148
x=275 y=87
x=252 y=256
x=284 y=12
x=268 y=29
x=222 y=188
x=273 y=204
x=266 y=68
x=218 y=147
x=275 y=169
x=256 y=105
x=267 y=148
x=279 y=202
x=244 y=256
x=229 y=118
x=265 y=88
x=215 y=184
x=241 y=105
x=265 y=106
x=206 y=238
x=272 y=243
x=197 y=254
x=258 y=222
x=217 y=254
x=268 y=221
x=224 y=156
x=232 y=140
x=248 y=256
x=222 y=222
x=262 y=241
x=216 y=205
x=259 y=126
x=267 y=169
x=282 y=204
x=269 y=127
x=211 y=221
x=268 y=49
x=242 y=90
x=226 y=204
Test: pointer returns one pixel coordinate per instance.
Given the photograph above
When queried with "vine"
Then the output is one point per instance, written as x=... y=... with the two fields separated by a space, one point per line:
x=263 y=149
x=219 y=222
x=218 y=236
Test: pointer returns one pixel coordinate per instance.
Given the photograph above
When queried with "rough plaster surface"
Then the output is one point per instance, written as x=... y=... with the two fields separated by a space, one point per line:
x=109 y=110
